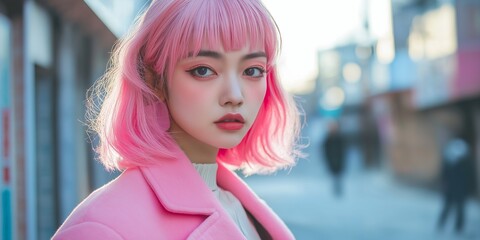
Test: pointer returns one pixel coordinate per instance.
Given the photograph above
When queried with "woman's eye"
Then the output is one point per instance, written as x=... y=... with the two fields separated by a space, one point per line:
x=254 y=72
x=201 y=72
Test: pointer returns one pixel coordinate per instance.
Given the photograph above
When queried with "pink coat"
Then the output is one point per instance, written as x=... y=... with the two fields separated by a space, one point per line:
x=167 y=201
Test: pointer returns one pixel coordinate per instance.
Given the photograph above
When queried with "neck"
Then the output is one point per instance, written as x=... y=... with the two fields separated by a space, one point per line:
x=196 y=151
x=199 y=154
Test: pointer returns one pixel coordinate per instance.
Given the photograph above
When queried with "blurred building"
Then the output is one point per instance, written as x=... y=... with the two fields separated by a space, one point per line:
x=418 y=84
x=51 y=52
x=438 y=44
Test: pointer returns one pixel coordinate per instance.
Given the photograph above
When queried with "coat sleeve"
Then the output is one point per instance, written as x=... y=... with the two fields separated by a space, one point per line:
x=87 y=230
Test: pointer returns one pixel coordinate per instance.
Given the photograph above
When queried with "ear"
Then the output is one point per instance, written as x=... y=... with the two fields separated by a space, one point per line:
x=153 y=80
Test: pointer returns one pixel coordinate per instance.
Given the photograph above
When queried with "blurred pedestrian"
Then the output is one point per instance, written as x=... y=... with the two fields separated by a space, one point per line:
x=455 y=182
x=334 y=152
x=370 y=143
x=192 y=94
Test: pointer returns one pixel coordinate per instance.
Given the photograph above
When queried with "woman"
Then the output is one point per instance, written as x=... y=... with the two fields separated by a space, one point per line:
x=192 y=94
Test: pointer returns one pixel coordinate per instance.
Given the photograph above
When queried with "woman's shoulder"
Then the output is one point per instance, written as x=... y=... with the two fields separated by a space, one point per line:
x=121 y=203
x=118 y=194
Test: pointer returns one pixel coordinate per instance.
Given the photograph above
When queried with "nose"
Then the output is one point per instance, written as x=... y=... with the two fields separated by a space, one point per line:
x=232 y=92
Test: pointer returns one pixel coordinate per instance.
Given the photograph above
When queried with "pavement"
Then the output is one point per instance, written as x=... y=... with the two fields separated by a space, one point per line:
x=373 y=205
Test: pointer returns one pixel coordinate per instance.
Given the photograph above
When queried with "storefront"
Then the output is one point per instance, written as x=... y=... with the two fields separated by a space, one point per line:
x=446 y=40
x=6 y=163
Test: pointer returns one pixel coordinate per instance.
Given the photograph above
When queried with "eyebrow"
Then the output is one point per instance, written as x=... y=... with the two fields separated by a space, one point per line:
x=217 y=55
x=254 y=55
x=212 y=54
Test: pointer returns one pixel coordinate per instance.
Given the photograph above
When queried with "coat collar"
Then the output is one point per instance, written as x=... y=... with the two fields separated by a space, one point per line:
x=175 y=182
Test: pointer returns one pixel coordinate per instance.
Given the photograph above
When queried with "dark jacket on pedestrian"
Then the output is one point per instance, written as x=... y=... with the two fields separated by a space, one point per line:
x=334 y=149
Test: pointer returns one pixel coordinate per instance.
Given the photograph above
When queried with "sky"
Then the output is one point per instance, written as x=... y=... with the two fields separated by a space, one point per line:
x=307 y=26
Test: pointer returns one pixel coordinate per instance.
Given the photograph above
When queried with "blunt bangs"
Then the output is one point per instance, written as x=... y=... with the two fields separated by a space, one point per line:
x=233 y=24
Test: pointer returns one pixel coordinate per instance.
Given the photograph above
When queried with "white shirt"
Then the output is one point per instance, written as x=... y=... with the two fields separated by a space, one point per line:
x=229 y=202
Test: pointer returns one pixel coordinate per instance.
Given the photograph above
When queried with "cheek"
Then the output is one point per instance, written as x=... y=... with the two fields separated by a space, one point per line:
x=182 y=109
x=187 y=99
x=182 y=92
x=187 y=96
x=257 y=92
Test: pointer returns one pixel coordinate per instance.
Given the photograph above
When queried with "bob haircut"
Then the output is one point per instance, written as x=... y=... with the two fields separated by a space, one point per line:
x=132 y=122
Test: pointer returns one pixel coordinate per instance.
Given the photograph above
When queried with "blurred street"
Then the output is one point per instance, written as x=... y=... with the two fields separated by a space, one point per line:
x=374 y=205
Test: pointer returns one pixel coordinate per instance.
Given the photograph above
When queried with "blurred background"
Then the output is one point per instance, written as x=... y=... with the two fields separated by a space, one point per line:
x=390 y=91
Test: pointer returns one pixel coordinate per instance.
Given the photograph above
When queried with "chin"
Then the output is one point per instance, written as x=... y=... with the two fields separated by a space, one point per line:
x=229 y=143
x=230 y=146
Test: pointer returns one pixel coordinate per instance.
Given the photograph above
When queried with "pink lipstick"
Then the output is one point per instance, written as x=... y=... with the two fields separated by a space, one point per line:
x=231 y=122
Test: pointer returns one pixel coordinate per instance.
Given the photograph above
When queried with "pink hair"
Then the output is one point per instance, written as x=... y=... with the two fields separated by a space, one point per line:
x=133 y=123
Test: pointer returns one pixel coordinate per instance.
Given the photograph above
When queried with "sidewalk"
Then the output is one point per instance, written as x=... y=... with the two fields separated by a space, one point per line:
x=374 y=206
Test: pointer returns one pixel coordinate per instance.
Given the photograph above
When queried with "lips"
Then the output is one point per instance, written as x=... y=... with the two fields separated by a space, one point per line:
x=230 y=122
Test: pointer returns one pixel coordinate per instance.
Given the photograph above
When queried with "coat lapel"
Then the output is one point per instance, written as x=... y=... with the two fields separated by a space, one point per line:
x=274 y=226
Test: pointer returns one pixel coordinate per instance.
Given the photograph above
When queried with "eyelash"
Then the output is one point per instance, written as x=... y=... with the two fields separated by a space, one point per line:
x=192 y=71
x=260 y=69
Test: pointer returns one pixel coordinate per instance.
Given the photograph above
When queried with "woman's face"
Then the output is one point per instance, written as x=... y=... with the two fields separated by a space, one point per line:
x=214 y=97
